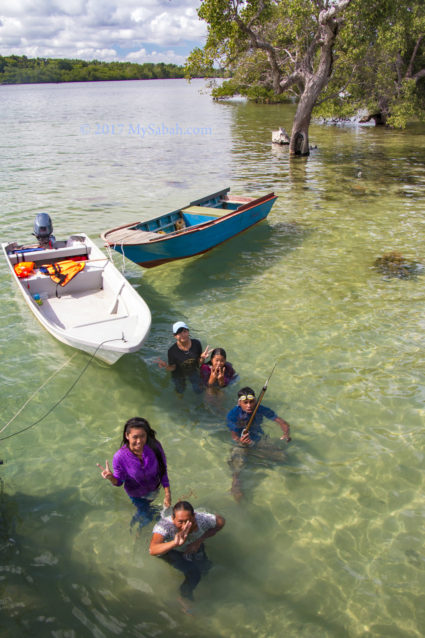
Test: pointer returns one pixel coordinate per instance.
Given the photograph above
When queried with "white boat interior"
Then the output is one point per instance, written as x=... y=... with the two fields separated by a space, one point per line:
x=97 y=305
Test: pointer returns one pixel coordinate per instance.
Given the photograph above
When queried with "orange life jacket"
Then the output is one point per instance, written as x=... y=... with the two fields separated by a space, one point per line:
x=62 y=272
x=24 y=269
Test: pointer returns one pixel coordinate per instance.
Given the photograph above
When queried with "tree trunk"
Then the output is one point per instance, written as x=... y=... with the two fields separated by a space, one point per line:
x=299 y=144
x=313 y=78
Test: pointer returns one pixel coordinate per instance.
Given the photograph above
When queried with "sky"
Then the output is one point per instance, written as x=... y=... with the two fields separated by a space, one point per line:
x=110 y=30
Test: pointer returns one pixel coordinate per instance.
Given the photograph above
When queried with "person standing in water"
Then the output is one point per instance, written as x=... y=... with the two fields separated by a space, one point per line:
x=179 y=540
x=239 y=416
x=140 y=464
x=237 y=420
x=217 y=372
x=184 y=359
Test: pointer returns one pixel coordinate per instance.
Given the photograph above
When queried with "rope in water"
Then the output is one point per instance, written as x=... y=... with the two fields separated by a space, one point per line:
x=72 y=386
x=37 y=391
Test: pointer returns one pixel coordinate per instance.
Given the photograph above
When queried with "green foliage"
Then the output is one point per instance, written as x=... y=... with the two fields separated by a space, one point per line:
x=22 y=70
x=229 y=88
x=377 y=56
x=408 y=106
x=201 y=65
x=376 y=64
x=255 y=93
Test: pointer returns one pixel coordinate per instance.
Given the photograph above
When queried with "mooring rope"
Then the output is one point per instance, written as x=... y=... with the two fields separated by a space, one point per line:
x=37 y=391
x=73 y=384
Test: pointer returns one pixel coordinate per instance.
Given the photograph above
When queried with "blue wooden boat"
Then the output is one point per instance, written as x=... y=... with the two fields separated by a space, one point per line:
x=195 y=229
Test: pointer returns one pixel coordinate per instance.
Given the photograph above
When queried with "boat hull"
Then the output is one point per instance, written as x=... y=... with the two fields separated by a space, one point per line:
x=198 y=238
x=98 y=311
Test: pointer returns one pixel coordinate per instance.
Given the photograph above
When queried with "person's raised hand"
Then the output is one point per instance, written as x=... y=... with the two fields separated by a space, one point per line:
x=220 y=373
x=106 y=471
x=180 y=537
x=206 y=352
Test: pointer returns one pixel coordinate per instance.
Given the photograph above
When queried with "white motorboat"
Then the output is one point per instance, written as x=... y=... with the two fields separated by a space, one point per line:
x=97 y=310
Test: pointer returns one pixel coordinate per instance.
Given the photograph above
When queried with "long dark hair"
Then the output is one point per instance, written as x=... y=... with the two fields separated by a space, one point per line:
x=183 y=505
x=217 y=351
x=139 y=423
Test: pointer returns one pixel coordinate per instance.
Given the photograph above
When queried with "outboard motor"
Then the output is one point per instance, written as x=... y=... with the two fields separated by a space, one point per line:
x=43 y=229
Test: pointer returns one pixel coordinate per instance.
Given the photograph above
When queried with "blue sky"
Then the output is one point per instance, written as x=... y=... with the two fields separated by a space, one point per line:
x=125 y=30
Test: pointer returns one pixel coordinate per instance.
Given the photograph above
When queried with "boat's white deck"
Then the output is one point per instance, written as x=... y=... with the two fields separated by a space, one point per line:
x=97 y=311
x=81 y=309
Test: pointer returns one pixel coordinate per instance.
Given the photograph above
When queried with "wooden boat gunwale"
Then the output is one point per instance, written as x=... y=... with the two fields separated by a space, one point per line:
x=188 y=229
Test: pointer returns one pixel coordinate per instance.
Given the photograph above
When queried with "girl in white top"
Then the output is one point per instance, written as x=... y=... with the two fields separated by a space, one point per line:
x=179 y=540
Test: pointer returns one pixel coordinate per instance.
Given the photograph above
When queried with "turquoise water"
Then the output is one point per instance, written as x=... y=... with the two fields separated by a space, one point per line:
x=328 y=543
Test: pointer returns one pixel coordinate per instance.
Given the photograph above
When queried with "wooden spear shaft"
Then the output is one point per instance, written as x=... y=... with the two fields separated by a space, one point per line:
x=260 y=398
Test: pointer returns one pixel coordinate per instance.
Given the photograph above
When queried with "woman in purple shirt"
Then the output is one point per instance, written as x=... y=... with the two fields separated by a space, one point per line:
x=141 y=465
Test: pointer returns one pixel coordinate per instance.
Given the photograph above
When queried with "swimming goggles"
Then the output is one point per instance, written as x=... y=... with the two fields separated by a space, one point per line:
x=247 y=397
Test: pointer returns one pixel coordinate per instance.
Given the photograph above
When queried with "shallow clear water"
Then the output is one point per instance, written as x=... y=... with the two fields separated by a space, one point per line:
x=329 y=543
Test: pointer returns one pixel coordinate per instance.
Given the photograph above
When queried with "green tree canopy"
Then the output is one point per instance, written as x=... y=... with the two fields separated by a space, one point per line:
x=381 y=65
x=333 y=56
x=22 y=70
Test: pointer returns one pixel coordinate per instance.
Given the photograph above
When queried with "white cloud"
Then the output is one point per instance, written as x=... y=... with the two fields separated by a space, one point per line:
x=101 y=29
x=141 y=14
x=166 y=27
x=168 y=57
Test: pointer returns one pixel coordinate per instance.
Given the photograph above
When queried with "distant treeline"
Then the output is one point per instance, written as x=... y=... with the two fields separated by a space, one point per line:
x=16 y=69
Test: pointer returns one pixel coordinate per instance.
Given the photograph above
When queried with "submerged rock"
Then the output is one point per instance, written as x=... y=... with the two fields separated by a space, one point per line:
x=395 y=265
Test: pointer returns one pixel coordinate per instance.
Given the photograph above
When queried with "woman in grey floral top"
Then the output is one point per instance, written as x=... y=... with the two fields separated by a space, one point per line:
x=179 y=540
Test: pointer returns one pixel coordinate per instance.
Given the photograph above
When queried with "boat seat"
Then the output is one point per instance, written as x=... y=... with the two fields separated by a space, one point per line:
x=204 y=210
x=98 y=323
x=237 y=200
x=91 y=278
x=47 y=256
x=129 y=236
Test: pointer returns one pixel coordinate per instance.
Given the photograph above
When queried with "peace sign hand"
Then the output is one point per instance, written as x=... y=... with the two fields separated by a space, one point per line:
x=206 y=353
x=106 y=471
x=180 y=537
x=220 y=373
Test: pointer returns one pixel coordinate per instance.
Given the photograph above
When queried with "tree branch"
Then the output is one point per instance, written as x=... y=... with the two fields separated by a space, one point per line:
x=259 y=43
x=408 y=73
x=335 y=95
x=334 y=10
x=419 y=75
x=293 y=78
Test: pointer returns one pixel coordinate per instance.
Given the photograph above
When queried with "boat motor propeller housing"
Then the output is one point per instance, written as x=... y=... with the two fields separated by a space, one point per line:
x=43 y=229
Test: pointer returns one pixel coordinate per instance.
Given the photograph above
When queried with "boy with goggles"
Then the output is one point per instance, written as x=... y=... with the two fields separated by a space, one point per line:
x=237 y=420
x=239 y=416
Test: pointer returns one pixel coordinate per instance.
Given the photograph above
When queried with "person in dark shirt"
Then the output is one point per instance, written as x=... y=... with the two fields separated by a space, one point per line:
x=237 y=420
x=184 y=359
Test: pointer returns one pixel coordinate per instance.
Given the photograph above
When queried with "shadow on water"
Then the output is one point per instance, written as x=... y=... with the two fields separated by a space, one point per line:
x=36 y=549
x=299 y=608
x=234 y=263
